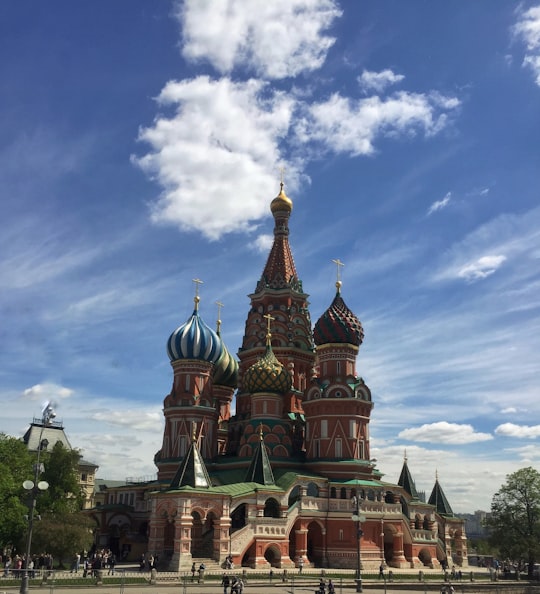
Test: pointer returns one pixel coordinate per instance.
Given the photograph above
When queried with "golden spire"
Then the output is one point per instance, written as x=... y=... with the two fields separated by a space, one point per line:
x=261 y=436
x=197 y=298
x=339 y=264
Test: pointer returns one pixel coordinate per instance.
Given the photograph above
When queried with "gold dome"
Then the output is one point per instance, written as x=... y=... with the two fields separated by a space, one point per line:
x=281 y=202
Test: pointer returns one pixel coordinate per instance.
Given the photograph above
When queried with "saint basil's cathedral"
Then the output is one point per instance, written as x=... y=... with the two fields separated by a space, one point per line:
x=287 y=479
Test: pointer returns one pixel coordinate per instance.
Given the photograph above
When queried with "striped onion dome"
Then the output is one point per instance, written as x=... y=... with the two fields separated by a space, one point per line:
x=338 y=324
x=267 y=375
x=226 y=369
x=195 y=340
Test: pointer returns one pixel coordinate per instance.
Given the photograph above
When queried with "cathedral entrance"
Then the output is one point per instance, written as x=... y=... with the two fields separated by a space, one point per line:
x=273 y=556
x=315 y=545
x=202 y=535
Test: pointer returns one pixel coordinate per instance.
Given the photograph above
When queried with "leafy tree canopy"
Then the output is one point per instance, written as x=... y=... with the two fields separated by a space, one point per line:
x=515 y=517
x=61 y=472
x=63 y=534
x=15 y=468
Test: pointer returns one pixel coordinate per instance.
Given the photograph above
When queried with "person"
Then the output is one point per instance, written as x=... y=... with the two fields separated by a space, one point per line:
x=193 y=570
x=381 y=571
x=240 y=585
x=234 y=585
x=111 y=562
x=300 y=564
x=331 y=589
x=225 y=582
x=322 y=586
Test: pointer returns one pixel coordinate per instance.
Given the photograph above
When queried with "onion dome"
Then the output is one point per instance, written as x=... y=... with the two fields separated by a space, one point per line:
x=338 y=324
x=226 y=370
x=268 y=374
x=226 y=367
x=195 y=340
x=281 y=202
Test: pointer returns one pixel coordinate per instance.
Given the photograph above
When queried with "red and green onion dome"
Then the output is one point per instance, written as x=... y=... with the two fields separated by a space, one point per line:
x=195 y=340
x=338 y=324
x=225 y=370
x=267 y=375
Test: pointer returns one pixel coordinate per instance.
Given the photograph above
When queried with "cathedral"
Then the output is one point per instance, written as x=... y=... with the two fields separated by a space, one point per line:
x=285 y=477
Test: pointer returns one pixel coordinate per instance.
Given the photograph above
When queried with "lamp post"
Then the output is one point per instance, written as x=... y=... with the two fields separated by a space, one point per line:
x=358 y=519
x=34 y=488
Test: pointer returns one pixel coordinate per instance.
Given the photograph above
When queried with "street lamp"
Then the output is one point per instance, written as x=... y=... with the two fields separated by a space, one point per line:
x=34 y=488
x=358 y=519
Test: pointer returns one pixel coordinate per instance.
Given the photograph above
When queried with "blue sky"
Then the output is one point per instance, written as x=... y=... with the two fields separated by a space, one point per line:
x=141 y=144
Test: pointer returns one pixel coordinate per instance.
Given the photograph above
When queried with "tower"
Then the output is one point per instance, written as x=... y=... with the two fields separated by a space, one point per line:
x=278 y=294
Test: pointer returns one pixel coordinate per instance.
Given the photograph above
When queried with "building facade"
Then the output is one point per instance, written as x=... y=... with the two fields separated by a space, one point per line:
x=289 y=477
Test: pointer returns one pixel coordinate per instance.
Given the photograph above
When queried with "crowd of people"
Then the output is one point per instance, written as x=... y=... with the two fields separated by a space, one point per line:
x=15 y=565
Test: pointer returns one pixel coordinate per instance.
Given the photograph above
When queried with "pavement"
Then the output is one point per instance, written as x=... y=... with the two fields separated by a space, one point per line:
x=304 y=585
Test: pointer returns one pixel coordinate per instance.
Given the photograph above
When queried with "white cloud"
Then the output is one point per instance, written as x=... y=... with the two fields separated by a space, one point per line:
x=135 y=419
x=46 y=392
x=527 y=29
x=440 y=204
x=519 y=431
x=481 y=268
x=509 y=410
x=263 y=243
x=345 y=125
x=443 y=432
x=219 y=147
x=508 y=237
x=378 y=81
x=275 y=39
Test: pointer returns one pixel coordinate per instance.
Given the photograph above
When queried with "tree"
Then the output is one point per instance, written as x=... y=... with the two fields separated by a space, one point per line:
x=15 y=468
x=63 y=534
x=515 y=517
x=61 y=472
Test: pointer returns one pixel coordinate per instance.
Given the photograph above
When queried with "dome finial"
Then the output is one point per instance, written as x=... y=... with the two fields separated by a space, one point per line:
x=338 y=264
x=269 y=319
x=196 y=299
x=218 y=322
x=261 y=434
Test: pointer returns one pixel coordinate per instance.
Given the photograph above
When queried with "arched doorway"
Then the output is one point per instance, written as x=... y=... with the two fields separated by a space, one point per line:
x=425 y=557
x=315 y=545
x=273 y=556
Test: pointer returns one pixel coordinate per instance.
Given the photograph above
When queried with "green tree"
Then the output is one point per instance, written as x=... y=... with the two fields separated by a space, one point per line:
x=515 y=517
x=15 y=468
x=63 y=534
x=61 y=472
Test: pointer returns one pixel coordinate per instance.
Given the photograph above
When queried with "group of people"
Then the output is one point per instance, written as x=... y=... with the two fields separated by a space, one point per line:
x=236 y=584
x=15 y=565
x=97 y=561
x=148 y=564
x=325 y=588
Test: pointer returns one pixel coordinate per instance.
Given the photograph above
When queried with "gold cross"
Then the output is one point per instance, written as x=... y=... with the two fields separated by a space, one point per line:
x=219 y=305
x=197 y=298
x=339 y=264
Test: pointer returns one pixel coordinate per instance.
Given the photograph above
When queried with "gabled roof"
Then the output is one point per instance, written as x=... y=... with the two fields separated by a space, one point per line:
x=438 y=499
x=192 y=471
x=260 y=470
